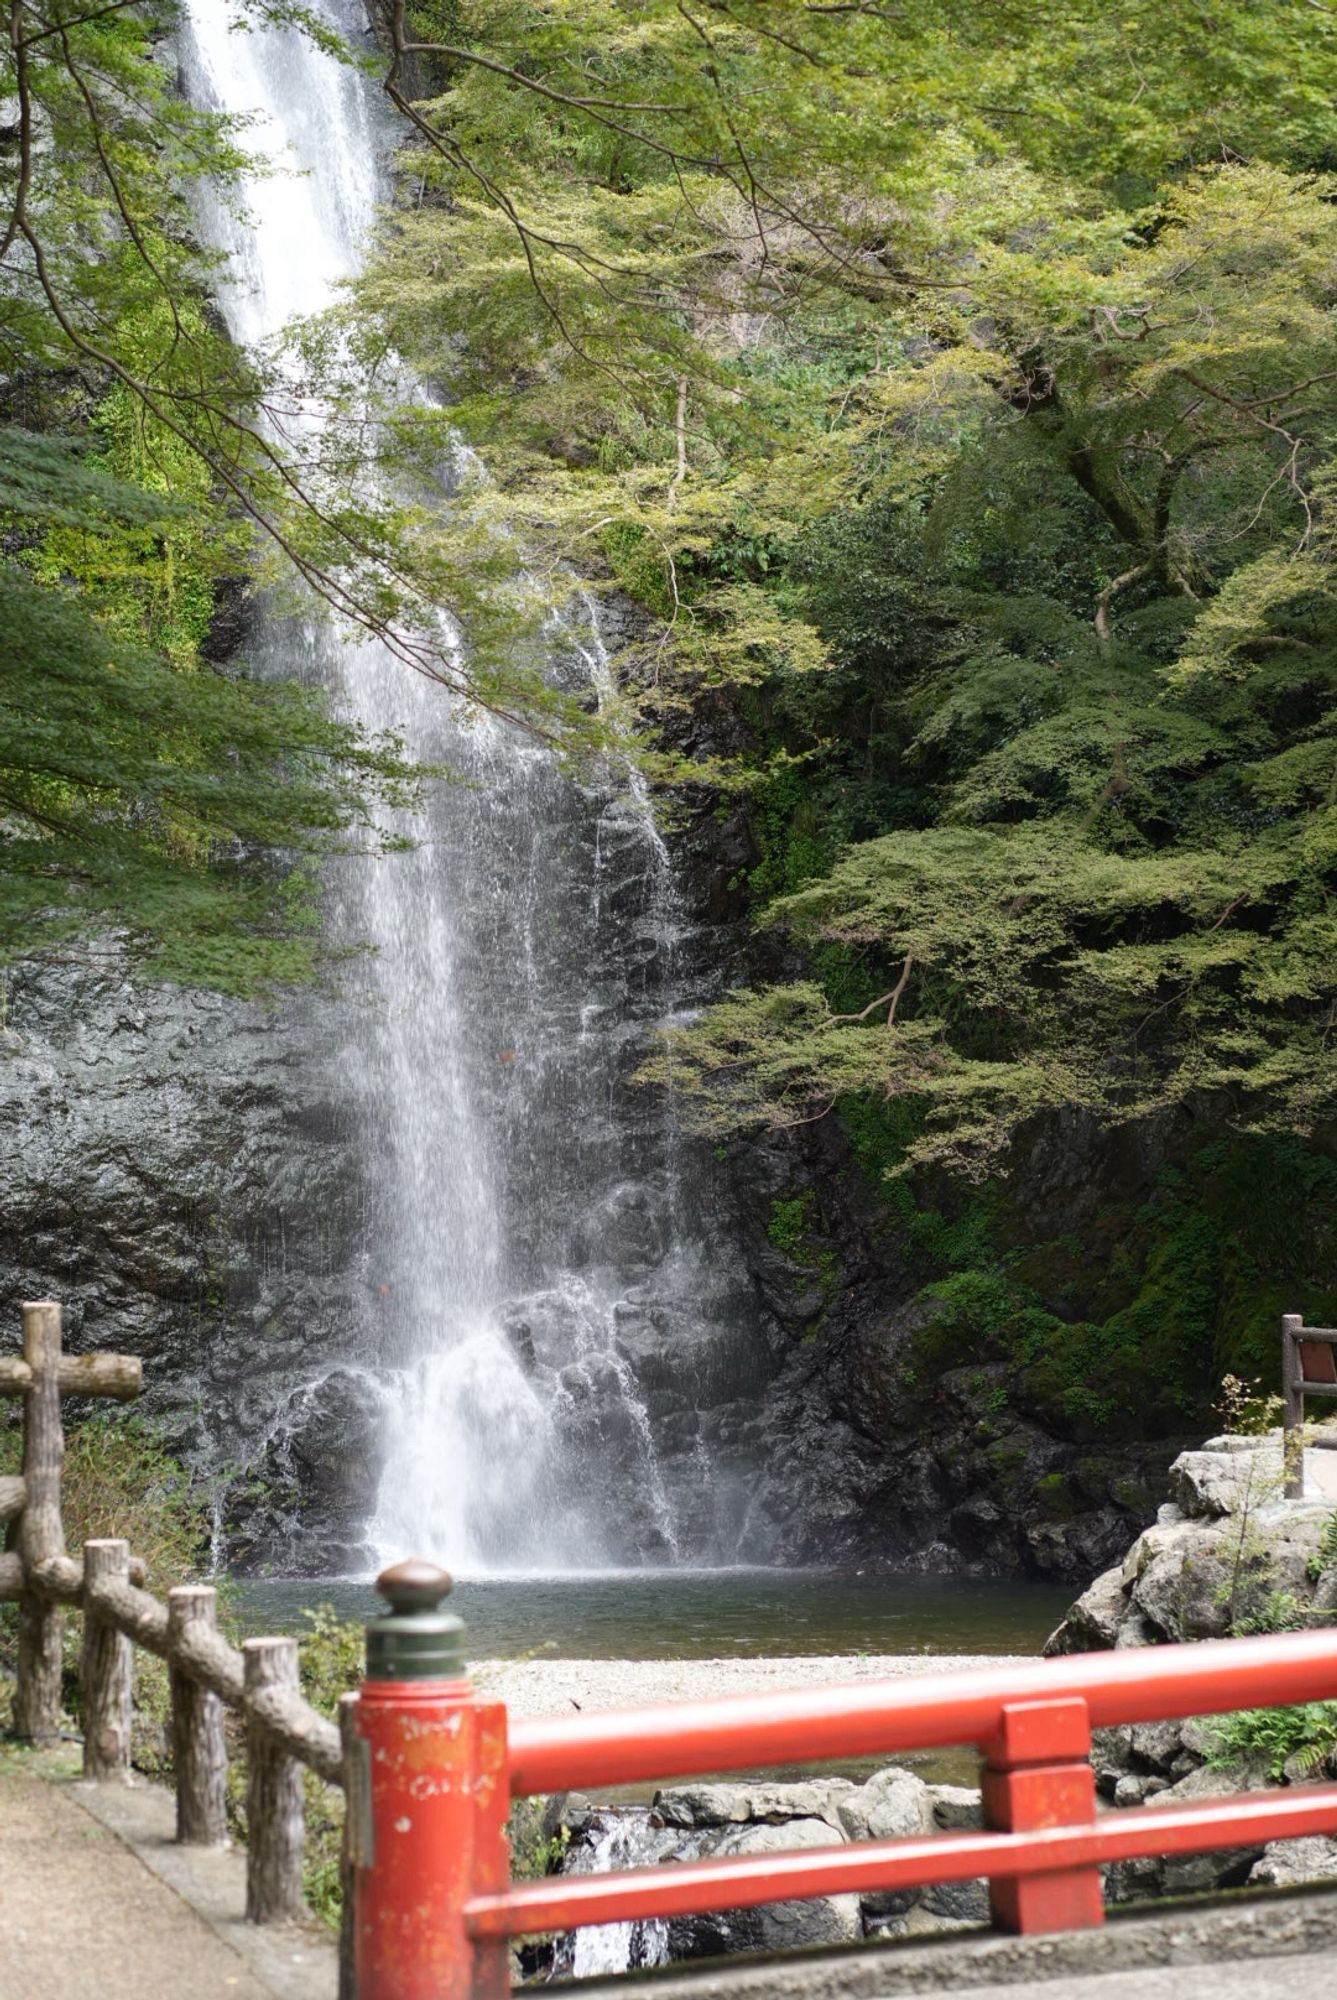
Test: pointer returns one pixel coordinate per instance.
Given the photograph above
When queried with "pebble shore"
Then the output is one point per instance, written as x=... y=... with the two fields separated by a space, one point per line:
x=554 y=1687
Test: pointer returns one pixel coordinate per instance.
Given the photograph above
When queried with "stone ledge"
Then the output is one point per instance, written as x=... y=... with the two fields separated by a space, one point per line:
x=1258 y=1926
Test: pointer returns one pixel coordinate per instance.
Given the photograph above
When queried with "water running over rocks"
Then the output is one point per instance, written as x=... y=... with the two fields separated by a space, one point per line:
x=546 y=1308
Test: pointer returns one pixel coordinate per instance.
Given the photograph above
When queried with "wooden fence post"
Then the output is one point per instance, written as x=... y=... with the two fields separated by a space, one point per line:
x=40 y=1532
x=274 y=1805
x=199 y=1747
x=1293 y=1406
x=357 y=1809
x=106 y=1670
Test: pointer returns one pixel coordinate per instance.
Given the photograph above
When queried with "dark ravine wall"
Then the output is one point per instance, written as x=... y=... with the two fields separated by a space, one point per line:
x=171 y=1179
x=183 y=1173
x=178 y=1170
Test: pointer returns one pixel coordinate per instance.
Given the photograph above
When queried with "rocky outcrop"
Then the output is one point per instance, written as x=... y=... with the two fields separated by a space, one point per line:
x=1228 y=1553
x=869 y=1456
x=177 y=1176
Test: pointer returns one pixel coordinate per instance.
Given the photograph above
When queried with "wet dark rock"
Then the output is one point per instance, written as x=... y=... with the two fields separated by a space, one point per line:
x=689 y=1821
x=817 y=1920
x=179 y=1183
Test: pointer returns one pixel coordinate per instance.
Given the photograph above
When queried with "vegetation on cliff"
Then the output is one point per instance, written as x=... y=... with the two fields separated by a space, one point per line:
x=958 y=383
x=954 y=389
x=156 y=798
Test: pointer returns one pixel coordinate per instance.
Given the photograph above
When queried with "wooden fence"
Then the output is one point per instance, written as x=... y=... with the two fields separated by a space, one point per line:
x=206 y=1674
x=429 y=1767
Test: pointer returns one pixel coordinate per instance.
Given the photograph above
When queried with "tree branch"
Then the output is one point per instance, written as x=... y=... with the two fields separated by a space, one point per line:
x=892 y=995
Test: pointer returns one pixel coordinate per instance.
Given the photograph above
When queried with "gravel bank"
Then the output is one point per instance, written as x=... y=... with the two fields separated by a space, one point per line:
x=552 y=1687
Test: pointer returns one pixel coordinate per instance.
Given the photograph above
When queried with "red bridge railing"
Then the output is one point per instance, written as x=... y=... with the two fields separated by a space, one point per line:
x=435 y=1908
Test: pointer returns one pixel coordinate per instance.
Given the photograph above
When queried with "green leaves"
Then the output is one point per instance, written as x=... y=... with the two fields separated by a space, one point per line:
x=1098 y=642
x=170 y=811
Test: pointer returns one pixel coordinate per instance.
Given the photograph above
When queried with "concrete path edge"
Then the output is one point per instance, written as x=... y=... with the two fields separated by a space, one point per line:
x=1264 y=1924
x=294 y=1962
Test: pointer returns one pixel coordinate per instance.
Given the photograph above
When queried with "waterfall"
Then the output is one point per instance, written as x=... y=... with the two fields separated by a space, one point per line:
x=532 y=1254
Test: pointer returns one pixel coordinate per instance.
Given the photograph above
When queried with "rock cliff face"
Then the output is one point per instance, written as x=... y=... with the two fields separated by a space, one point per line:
x=175 y=1175
x=185 y=1174
x=180 y=1171
x=191 y=1177
x=869 y=1454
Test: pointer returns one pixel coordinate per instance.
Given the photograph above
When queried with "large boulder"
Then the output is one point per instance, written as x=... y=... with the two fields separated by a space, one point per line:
x=1156 y=1875
x=1093 y=1621
x=1229 y=1553
x=771 y=1926
x=773 y=1804
x=892 y=1803
x=1287 y=1864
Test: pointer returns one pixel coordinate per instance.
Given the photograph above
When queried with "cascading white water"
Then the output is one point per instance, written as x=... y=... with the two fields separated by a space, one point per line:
x=526 y=1248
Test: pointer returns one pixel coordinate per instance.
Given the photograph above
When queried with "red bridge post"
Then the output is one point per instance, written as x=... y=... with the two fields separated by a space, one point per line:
x=428 y=1801
x=1037 y=1773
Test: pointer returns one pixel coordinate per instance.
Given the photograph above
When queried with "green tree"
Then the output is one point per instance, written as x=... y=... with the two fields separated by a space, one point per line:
x=151 y=796
x=954 y=384
x=1114 y=886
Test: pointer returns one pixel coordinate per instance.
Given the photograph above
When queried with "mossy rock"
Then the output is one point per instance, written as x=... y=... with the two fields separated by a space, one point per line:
x=1055 y=1497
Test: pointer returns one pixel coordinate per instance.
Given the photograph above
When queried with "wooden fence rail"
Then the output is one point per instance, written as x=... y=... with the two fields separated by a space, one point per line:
x=206 y=1674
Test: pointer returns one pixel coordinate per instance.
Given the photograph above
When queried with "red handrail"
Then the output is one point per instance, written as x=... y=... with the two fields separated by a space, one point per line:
x=434 y=1906
x=691 y=1887
x=921 y=1712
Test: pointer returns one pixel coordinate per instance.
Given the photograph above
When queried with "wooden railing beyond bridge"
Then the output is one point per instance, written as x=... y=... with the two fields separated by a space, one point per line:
x=430 y=1768
x=283 y=1732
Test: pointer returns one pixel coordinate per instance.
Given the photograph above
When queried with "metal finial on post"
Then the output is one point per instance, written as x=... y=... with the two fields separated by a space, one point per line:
x=416 y=1640
x=429 y=1784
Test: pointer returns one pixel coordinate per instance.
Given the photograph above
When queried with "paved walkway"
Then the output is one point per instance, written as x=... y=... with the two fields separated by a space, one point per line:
x=85 y=1916
x=98 y=1903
